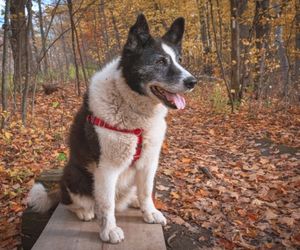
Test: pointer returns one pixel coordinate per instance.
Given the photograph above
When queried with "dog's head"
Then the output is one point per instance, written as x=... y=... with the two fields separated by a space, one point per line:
x=151 y=66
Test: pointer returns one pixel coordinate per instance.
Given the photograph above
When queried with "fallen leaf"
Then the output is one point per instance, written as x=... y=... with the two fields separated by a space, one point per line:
x=270 y=215
x=186 y=160
x=162 y=188
x=287 y=220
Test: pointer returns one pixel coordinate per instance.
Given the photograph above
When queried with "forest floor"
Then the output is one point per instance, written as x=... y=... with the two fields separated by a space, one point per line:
x=225 y=181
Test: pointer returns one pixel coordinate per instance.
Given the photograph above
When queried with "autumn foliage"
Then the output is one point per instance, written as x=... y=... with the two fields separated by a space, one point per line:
x=227 y=180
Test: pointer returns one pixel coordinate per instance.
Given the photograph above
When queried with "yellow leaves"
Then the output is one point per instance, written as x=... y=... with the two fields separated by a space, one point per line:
x=175 y=195
x=168 y=172
x=264 y=160
x=8 y=135
x=186 y=160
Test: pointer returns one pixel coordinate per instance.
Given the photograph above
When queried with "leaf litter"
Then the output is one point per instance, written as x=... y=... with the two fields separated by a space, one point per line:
x=230 y=180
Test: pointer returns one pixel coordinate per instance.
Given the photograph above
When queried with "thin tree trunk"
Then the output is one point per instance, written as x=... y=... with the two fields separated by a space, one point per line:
x=85 y=48
x=64 y=47
x=80 y=57
x=235 y=50
x=237 y=8
x=70 y=8
x=282 y=52
x=43 y=38
x=104 y=29
x=35 y=49
x=18 y=42
x=96 y=40
x=262 y=28
x=5 y=62
x=297 y=42
x=117 y=33
x=206 y=49
x=208 y=6
x=220 y=57
x=28 y=60
x=203 y=27
x=220 y=26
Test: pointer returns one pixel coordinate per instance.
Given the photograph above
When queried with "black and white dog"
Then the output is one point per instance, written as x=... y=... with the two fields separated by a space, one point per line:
x=117 y=134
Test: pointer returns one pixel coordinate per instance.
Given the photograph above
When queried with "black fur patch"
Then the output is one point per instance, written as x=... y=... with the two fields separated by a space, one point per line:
x=84 y=150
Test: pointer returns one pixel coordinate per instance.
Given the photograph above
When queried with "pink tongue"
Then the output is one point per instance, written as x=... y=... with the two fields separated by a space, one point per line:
x=177 y=99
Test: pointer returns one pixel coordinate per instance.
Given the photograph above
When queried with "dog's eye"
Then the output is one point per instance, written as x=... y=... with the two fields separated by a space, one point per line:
x=162 y=61
x=179 y=59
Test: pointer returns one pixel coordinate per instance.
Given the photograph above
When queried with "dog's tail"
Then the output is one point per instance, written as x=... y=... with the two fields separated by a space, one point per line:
x=40 y=201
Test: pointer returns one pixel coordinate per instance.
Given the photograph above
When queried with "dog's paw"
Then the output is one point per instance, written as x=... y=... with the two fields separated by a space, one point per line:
x=112 y=235
x=155 y=217
x=85 y=215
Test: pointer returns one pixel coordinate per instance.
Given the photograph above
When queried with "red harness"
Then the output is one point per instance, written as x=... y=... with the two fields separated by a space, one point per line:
x=138 y=132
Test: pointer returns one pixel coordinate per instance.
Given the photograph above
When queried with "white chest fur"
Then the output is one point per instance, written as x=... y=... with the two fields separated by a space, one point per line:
x=111 y=99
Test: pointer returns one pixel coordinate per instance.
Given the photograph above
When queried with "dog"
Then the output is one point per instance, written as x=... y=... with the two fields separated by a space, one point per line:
x=116 y=136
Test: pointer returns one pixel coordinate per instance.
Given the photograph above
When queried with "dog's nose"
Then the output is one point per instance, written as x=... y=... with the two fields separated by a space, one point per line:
x=190 y=82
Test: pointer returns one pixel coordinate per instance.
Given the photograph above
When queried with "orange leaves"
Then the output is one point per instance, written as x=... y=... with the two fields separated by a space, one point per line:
x=254 y=191
x=16 y=207
x=160 y=205
x=186 y=160
x=26 y=151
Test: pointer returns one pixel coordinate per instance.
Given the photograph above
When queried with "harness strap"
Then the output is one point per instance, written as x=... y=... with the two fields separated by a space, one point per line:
x=138 y=132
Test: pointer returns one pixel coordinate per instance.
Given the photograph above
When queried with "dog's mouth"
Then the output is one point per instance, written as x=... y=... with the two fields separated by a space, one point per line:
x=172 y=100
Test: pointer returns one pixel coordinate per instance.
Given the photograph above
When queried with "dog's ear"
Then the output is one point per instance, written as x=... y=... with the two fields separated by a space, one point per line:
x=138 y=34
x=175 y=33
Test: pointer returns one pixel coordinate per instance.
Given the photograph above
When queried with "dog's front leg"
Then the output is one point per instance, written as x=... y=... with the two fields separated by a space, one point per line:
x=105 y=189
x=145 y=179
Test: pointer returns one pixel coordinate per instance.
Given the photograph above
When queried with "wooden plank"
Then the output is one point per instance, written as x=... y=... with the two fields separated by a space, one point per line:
x=50 y=177
x=65 y=231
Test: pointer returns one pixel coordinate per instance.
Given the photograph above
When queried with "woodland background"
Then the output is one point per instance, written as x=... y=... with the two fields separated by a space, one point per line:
x=240 y=158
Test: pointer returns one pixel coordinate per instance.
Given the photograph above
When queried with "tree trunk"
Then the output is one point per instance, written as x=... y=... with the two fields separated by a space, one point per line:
x=36 y=65
x=297 y=42
x=28 y=60
x=5 y=61
x=96 y=40
x=64 y=47
x=70 y=8
x=282 y=53
x=43 y=38
x=80 y=57
x=18 y=42
x=203 y=27
x=206 y=49
x=262 y=30
x=237 y=9
x=104 y=29
x=117 y=33
x=220 y=26
x=208 y=24
x=85 y=49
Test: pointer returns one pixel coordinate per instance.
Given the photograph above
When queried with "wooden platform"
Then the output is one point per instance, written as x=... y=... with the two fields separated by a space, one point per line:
x=65 y=231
